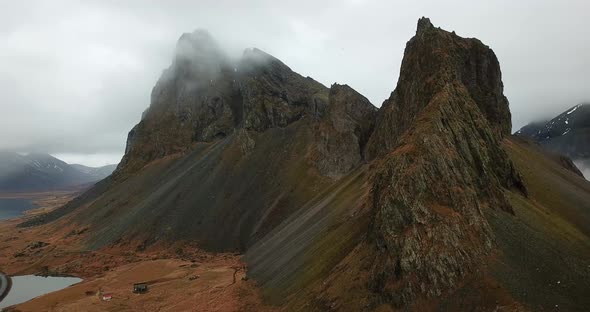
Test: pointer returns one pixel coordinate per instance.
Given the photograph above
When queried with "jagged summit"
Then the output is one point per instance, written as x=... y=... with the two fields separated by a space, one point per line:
x=437 y=139
x=198 y=59
x=205 y=96
x=435 y=60
x=258 y=56
x=199 y=36
x=424 y=24
x=200 y=42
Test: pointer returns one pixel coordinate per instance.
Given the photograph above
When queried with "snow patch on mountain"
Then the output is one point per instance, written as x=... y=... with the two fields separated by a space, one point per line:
x=573 y=109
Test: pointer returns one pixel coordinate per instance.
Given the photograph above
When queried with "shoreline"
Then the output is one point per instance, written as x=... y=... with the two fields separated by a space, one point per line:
x=5 y=285
x=208 y=280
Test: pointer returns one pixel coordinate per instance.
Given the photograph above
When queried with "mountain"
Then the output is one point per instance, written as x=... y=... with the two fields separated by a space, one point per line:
x=567 y=134
x=97 y=173
x=427 y=203
x=43 y=172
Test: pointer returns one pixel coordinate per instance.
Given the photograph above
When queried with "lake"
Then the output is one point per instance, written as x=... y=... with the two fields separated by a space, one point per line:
x=27 y=287
x=14 y=207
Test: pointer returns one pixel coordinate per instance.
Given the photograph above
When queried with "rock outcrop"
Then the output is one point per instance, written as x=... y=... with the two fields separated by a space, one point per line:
x=225 y=152
x=344 y=131
x=205 y=95
x=433 y=58
x=441 y=166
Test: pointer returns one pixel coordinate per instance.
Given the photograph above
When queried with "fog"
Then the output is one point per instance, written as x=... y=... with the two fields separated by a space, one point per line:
x=584 y=166
x=76 y=76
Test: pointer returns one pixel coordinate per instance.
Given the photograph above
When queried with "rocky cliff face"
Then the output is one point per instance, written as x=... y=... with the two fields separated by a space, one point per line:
x=441 y=166
x=343 y=133
x=205 y=95
x=432 y=59
x=226 y=151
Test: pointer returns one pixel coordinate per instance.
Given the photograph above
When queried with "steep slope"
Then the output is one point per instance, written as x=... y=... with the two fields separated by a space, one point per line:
x=41 y=172
x=205 y=96
x=434 y=217
x=452 y=58
x=567 y=134
x=226 y=151
x=445 y=167
x=543 y=251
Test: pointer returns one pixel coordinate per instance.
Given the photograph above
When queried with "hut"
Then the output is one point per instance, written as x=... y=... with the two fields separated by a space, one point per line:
x=140 y=288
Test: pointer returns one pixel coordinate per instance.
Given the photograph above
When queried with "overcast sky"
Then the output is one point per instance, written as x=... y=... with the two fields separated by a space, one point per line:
x=76 y=75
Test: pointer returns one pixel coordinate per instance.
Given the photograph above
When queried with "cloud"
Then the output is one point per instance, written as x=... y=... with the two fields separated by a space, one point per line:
x=76 y=76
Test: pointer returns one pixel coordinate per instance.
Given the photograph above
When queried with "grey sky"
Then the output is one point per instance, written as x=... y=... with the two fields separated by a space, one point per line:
x=76 y=75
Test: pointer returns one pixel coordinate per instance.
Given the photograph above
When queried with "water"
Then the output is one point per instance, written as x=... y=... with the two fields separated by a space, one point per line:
x=13 y=207
x=27 y=287
x=584 y=166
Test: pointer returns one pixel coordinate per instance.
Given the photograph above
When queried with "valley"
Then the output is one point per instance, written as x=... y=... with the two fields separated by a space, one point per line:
x=179 y=276
x=17 y=204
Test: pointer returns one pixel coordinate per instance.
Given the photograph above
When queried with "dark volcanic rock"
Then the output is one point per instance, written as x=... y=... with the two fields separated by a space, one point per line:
x=205 y=96
x=443 y=123
x=275 y=96
x=432 y=59
x=226 y=151
x=343 y=133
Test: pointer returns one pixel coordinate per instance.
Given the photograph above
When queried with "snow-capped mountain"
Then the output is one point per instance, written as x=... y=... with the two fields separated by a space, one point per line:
x=41 y=172
x=567 y=134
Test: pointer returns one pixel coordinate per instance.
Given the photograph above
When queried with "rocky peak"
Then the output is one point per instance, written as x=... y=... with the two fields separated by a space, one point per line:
x=205 y=96
x=254 y=58
x=433 y=59
x=424 y=24
x=345 y=105
x=199 y=52
x=439 y=166
x=343 y=132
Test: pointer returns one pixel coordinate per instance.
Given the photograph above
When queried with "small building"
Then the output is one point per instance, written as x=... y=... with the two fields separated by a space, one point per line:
x=140 y=288
x=107 y=297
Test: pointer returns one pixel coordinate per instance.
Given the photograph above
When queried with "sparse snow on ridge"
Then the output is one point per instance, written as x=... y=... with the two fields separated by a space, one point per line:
x=573 y=109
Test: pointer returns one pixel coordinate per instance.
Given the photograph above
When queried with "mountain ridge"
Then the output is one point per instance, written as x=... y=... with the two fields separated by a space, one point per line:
x=566 y=134
x=425 y=203
x=43 y=172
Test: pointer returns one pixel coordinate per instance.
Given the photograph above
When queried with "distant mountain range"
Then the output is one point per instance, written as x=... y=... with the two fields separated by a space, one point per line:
x=567 y=134
x=43 y=172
